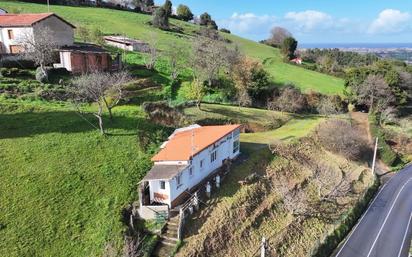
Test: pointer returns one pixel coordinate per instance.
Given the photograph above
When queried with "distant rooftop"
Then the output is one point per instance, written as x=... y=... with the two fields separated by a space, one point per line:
x=123 y=40
x=83 y=47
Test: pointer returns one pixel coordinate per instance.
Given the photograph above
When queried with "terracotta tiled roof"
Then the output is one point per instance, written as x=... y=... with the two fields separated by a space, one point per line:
x=25 y=19
x=179 y=147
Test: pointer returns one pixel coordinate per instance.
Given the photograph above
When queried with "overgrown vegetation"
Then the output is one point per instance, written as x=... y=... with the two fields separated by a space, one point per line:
x=301 y=194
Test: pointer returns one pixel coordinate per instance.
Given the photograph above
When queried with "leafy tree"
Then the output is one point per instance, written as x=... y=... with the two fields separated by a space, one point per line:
x=288 y=47
x=160 y=19
x=167 y=6
x=184 y=13
x=206 y=20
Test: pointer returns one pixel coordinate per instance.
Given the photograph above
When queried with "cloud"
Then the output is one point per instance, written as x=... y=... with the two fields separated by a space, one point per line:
x=390 y=21
x=248 y=23
x=310 y=20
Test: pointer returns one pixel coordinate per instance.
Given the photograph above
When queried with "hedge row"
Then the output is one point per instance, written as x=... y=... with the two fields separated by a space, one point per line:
x=347 y=223
x=386 y=154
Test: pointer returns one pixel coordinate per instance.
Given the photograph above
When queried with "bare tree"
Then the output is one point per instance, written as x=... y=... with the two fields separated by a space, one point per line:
x=104 y=89
x=340 y=137
x=153 y=54
x=290 y=100
x=178 y=56
x=209 y=57
x=278 y=35
x=375 y=93
x=39 y=46
x=327 y=107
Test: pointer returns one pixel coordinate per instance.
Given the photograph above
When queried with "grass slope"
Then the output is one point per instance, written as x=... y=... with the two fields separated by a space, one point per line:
x=136 y=25
x=296 y=126
x=64 y=185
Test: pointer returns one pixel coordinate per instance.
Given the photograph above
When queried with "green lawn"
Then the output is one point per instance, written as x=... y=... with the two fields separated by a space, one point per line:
x=63 y=185
x=136 y=25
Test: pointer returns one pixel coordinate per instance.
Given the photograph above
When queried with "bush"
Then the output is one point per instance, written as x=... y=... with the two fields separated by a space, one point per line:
x=340 y=137
x=225 y=30
x=14 y=72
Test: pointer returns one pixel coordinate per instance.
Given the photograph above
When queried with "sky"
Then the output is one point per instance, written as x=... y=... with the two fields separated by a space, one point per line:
x=313 y=21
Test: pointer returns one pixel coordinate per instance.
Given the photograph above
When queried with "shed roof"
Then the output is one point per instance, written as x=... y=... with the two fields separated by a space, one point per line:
x=182 y=145
x=84 y=48
x=165 y=172
x=26 y=19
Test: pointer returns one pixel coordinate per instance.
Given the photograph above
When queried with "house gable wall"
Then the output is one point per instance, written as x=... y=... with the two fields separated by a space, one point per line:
x=62 y=33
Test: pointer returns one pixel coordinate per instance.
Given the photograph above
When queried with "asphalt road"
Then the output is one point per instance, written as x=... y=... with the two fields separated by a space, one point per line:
x=385 y=229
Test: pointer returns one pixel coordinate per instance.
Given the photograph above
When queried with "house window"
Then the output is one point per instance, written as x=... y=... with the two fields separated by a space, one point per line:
x=191 y=171
x=235 y=146
x=213 y=156
x=201 y=164
x=15 y=49
x=179 y=180
x=10 y=33
x=162 y=184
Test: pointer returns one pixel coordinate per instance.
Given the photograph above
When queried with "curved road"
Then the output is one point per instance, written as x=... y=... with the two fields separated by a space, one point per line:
x=385 y=229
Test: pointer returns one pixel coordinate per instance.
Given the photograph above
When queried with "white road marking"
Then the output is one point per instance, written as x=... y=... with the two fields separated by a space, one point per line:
x=363 y=216
x=387 y=216
x=404 y=237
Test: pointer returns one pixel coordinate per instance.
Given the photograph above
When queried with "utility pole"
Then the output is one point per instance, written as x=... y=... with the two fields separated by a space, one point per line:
x=48 y=5
x=374 y=156
x=263 y=247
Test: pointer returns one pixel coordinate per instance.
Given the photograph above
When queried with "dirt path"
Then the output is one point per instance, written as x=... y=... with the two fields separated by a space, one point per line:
x=360 y=121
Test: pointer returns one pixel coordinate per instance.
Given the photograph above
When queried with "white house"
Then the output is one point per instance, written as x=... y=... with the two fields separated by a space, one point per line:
x=14 y=27
x=190 y=156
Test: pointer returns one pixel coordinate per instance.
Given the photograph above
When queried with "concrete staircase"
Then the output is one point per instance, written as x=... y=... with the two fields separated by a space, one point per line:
x=168 y=239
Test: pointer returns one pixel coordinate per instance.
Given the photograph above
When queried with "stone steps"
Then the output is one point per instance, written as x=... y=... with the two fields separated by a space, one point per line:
x=168 y=239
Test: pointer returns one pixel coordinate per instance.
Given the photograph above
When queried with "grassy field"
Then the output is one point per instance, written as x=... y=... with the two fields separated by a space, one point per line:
x=136 y=25
x=63 y=184
x=294 y=127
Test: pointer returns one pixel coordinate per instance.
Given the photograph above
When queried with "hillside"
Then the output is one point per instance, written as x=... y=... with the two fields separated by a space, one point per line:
x=64 y=185
x=136 y=25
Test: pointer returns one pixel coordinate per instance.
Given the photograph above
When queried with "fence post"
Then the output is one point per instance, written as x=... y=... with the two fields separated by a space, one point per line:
x=263 y=247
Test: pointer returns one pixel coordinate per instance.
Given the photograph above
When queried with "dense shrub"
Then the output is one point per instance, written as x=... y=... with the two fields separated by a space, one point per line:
x=386 y=153
x=14 y=72
x=225 y=30
x=162 y=113
x=340 y=137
